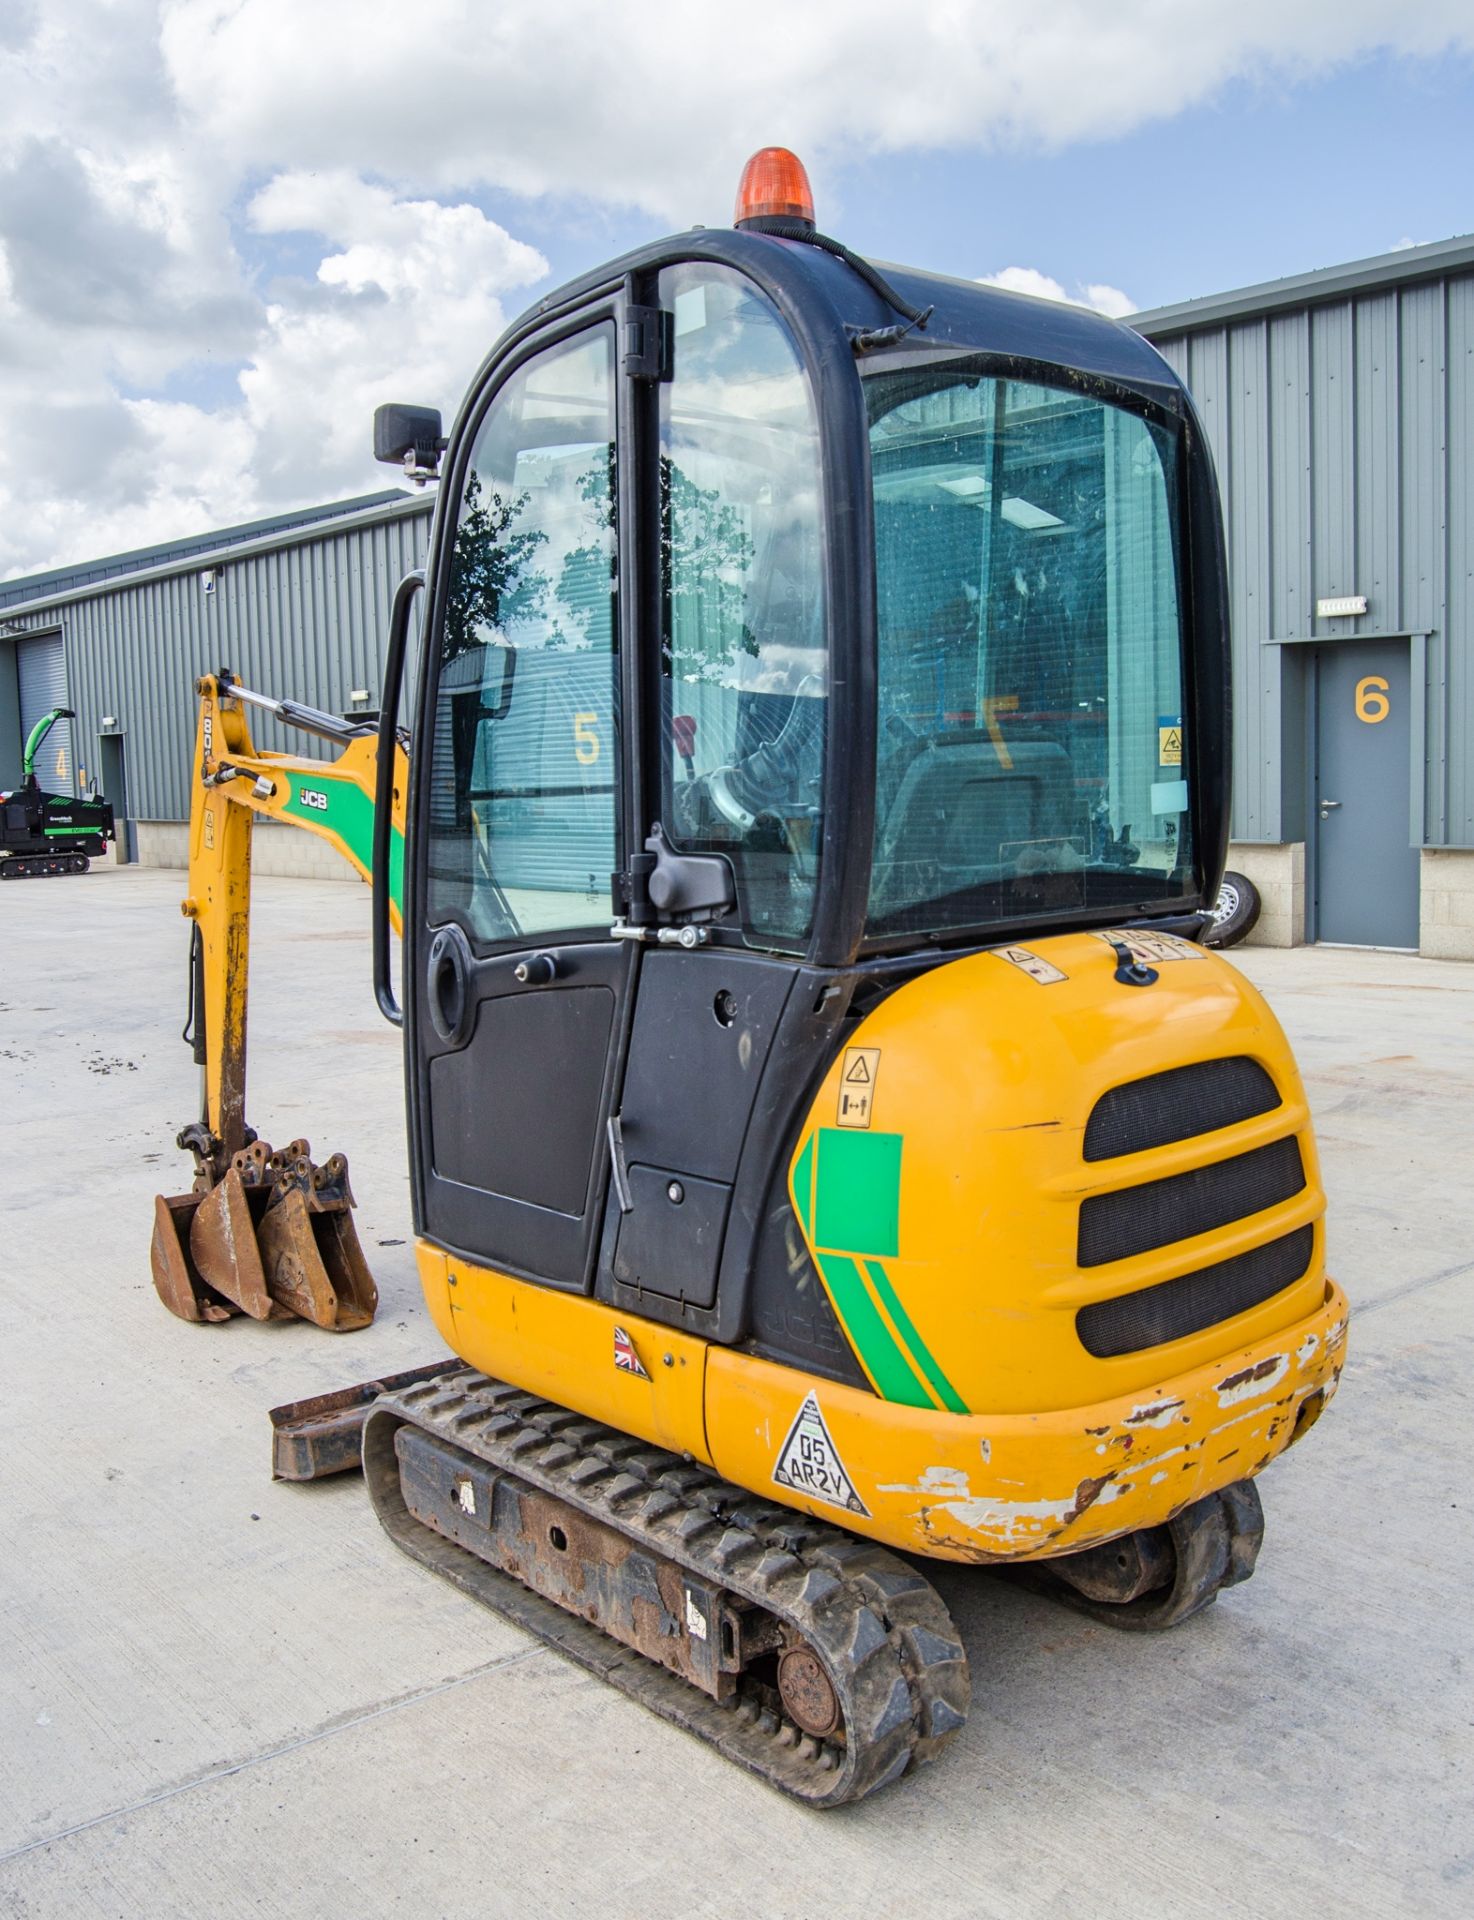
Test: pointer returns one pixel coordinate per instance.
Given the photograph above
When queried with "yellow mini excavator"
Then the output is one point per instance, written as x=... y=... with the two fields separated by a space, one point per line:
x=831 y=1145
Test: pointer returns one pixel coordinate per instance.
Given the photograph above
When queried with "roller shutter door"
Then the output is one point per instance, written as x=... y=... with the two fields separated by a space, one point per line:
x=42 y=668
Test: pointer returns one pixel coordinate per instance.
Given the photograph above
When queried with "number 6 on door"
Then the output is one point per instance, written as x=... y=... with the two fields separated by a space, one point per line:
x=1372 y=703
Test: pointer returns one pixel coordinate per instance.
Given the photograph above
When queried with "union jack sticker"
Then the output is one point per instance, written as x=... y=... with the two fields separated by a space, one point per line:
x=625 y=1357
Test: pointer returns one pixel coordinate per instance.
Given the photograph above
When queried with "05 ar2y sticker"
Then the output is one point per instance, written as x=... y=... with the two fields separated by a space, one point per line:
x=808 y=1462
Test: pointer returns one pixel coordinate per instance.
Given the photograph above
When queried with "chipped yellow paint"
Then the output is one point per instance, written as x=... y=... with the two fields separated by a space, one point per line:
x=955 y=1487
x=1024 y=1486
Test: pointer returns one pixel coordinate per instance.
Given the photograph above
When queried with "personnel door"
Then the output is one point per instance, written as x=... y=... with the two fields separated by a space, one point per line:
x=1366 y=869
x=516 y=991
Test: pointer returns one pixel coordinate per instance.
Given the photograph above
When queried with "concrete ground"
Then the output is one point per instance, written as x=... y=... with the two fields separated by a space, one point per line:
x=224 y=1697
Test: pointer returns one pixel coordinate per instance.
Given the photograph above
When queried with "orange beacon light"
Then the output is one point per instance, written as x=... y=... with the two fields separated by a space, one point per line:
x=774 y=186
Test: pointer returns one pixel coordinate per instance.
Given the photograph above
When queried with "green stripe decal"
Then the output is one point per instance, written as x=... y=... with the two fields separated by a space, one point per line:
x=874 y=1342
x=856 y=1188
x=920 y=1353
x=803 y=1187
x=857 y=1197
x=349 y=813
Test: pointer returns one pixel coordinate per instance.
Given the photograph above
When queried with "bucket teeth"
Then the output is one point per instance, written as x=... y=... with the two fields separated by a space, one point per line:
x=274 y=1238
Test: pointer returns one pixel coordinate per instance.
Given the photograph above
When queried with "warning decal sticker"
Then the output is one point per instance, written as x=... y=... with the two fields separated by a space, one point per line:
x=808 y=1462
x=625 y=1357
x=1044 y=971
x=1152 y=948
x=857 y=1077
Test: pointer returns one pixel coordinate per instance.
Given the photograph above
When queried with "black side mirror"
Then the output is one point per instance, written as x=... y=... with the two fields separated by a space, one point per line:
x=411 y=437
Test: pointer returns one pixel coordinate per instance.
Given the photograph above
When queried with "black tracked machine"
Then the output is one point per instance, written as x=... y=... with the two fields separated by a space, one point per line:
x=42 y=833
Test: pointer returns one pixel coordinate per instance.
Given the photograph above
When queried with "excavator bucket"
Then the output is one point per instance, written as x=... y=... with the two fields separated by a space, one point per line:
x=177 y=1280
x=222 y=1238
x=273 y=1238
x=314 y=1264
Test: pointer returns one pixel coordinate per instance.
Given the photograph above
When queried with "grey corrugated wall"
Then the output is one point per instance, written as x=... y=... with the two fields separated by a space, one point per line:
x=1344 y=439
x=305 y=621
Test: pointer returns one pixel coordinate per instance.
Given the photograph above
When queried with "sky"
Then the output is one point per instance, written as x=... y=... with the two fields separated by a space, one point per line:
x=231 y=228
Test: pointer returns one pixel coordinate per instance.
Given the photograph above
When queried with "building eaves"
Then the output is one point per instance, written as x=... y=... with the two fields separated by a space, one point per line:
x=1407 y=265
x=57 y=580
x=225 y=550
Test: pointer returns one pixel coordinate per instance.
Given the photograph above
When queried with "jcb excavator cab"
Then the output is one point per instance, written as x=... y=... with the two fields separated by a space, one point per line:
x=823 y=1122
x=842 y=646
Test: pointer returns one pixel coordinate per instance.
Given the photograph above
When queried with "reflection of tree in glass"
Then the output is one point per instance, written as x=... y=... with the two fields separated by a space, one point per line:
x=586 y=582
x=707 y=555
x=490 y=583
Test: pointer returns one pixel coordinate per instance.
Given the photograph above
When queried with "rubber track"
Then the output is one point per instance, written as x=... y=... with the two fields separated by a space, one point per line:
x=39 y=866
x=882 y=1631
x=1215 y=1543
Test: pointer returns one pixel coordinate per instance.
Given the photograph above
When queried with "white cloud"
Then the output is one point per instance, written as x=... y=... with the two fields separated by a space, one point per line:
x=659 y=104
x=163 y=162
x=405 y=301
x=1107 y=300
x=404 y=306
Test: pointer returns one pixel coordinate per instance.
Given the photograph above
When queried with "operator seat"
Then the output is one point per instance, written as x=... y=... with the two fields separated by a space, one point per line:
x=961 y=816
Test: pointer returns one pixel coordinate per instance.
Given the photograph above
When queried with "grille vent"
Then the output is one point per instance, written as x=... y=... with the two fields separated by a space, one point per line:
x=1175 y=1308
x=1113 y=1226
x=1177 y=1105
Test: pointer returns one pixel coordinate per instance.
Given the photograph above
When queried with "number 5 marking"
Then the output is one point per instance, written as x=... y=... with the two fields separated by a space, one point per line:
x=1372 y=703
x=585 y=739
x=999 y=703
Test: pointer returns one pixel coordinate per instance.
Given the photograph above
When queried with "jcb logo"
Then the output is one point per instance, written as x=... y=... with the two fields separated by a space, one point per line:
x=314 y=798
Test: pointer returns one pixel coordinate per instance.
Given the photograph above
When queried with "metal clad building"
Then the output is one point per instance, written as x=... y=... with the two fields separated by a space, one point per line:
x=1340 y=406
x=297 y=605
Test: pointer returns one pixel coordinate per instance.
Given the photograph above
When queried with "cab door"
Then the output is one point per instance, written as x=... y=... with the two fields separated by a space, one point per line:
x=516 y=994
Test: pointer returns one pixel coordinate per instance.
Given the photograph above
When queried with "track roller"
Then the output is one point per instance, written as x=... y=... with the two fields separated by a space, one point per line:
x=821 y=1663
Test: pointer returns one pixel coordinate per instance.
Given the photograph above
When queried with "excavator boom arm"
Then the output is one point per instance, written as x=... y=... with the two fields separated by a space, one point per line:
x=261 y=1232
x=232 y=783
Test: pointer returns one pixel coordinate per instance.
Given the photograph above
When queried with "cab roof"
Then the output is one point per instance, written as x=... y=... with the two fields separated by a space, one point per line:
x=966 y=314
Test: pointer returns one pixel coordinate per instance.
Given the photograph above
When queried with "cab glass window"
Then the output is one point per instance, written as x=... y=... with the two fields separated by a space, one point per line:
x=745 y=679
x=524 y=781
x=1031 y=759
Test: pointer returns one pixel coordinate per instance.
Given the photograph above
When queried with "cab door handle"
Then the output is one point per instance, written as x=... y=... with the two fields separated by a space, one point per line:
x=537 y=971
